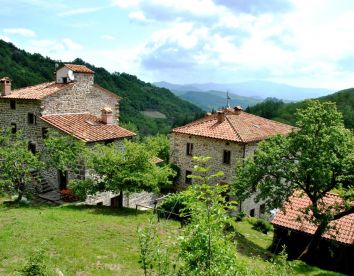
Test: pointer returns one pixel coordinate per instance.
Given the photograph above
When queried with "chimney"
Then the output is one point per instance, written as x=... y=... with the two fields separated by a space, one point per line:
x=220 y=116
x=5 y=86
x=238 y=110
x=107 y=116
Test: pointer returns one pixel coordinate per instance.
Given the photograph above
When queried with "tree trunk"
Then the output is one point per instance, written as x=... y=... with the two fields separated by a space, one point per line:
x=312 y=245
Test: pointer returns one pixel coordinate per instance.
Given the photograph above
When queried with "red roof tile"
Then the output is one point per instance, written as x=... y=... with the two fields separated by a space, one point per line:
x=238 y=127
x=37 y=92
x=79 y=68
x=86 y=127
x=293 y=218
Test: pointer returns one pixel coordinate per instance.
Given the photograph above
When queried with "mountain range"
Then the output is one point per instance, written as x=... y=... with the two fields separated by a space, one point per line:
x=210 y=96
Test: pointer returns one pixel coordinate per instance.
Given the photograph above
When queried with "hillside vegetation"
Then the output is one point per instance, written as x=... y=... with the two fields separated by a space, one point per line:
x=277 y=110
x=29 y=69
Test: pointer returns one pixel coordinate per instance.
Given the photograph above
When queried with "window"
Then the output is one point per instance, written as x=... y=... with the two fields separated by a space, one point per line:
x=227 y=157
x=188 y=180
x=44 y=132
x=262 y=209
x=252 y=213
x=189 y=149
x=65 y=80
x=13 y=104
x=32 y=147
x=13 y=128
x=31 y=119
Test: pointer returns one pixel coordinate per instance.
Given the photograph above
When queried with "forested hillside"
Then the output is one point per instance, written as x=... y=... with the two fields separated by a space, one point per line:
x=276 y=109
x=28 y=69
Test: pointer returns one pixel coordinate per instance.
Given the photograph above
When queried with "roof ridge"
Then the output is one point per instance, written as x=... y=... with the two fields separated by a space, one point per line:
x=34 y=85
x=239 y=136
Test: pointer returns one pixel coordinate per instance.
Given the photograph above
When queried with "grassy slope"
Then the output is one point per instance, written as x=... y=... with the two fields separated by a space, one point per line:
x=102 y=241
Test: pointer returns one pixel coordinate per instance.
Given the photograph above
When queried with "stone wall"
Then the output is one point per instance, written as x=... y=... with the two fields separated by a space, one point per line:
x=82 y=97
x=214 y=148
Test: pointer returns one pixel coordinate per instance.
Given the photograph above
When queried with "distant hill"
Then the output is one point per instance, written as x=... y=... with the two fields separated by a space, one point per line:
x=207 y=100
x=254 y=89
x=214 y=100
x=29 y=69
x=284 y=112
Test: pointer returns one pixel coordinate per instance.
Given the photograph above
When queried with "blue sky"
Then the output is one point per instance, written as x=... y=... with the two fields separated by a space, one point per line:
x=298 y=42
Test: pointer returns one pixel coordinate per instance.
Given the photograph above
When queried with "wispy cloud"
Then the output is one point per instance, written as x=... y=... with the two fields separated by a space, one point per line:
x=80 y=11
x=108 y=37
x=19 y=31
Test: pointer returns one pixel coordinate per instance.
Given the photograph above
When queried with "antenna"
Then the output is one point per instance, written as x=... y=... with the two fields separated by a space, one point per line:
x=71 y=75
x=228 y=99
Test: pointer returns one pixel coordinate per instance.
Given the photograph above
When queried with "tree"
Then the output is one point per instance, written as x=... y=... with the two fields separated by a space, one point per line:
x=206 y=248
x=316 y=158
x=160 y=144
x=16 y=163
x=115 y=169
x=63 y=152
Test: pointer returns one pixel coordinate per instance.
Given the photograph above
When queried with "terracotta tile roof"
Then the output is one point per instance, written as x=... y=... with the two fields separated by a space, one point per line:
x=79 y=68
x=237 y=126
x=86 y=127
x=37 y=92
x=293 y=211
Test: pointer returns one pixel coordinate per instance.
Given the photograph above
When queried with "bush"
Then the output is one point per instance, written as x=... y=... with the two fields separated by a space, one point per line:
x=262 y=225
x=35 y=266
x=252 y=220
x=173 y=203
x=240 y=216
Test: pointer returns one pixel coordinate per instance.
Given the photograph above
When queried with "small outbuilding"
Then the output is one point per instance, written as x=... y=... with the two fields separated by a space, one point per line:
x=293 y=229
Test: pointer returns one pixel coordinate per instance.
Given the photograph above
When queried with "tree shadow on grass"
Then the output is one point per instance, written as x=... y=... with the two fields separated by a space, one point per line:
x=94 y=209
x=250 y=249
x=105 y=210
x=302 y=268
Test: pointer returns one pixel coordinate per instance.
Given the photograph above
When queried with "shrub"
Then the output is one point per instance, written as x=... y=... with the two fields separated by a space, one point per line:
x=173 y=203
x=240 y=216
x=251 y=220
x=35 y=266
x=262 y=225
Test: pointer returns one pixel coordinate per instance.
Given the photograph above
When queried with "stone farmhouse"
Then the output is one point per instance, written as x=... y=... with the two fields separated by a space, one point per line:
x=335 y=250
x=227 y=136
x=72 y=104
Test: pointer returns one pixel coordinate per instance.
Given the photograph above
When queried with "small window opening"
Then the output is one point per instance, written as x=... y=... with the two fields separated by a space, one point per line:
x=13 y=104
x=189 y=150
x=227 y=157
x=31 y=119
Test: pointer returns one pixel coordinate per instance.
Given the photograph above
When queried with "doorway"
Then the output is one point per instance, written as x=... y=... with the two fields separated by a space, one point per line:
x=63 y=180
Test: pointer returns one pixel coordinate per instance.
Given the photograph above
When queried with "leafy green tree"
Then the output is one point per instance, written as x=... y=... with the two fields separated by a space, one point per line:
x=160 y=144
x=16 y=163
x=316 y=158
x=205 y=246
x=115 y=169
x=63 y=152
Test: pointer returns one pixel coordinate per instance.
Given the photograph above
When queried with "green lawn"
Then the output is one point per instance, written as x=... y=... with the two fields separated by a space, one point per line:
x=90 y=241
x=81 y=240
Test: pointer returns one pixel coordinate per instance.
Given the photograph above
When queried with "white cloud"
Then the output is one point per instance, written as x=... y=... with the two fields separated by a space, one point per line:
x=19 y=31
x=80 y=11
x=138 y=16
x=65 y=49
